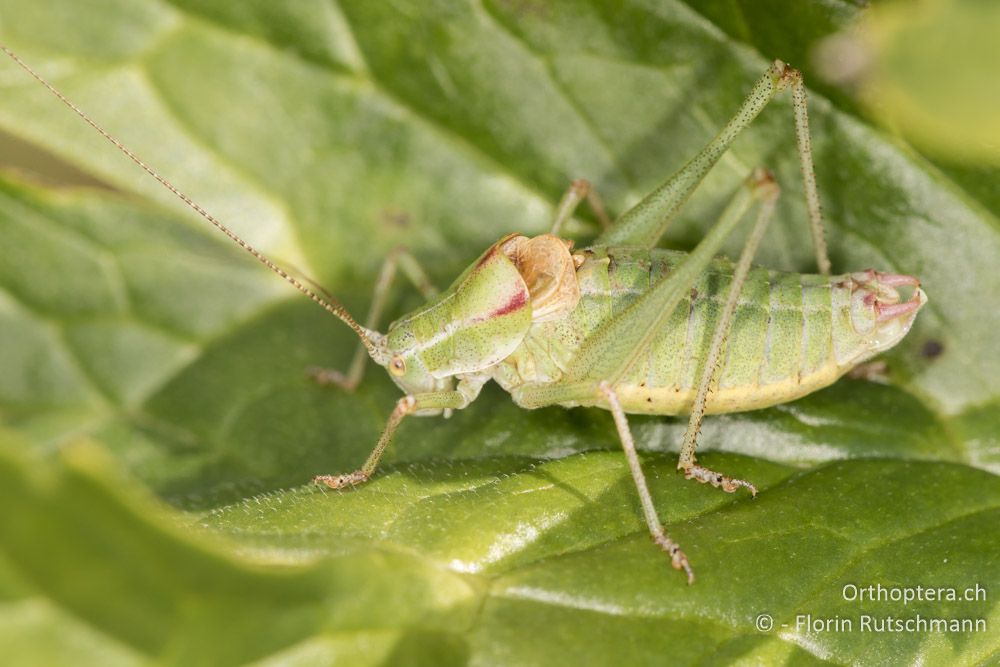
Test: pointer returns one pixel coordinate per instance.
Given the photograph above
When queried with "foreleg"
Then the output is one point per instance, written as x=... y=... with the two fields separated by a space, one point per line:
x=398 y=258
x=579 y=190
x=408 y=405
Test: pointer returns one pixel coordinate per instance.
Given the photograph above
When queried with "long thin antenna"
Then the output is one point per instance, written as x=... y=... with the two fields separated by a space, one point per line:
x=332 y=306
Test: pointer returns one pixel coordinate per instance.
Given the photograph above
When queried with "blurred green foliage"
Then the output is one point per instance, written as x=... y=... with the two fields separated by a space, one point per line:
x=933 y=75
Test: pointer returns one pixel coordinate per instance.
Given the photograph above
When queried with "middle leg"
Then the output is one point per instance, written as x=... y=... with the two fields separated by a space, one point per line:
x=659 y=535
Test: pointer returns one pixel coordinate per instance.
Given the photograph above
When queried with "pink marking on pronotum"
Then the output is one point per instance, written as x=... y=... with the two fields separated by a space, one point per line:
x=515 y=303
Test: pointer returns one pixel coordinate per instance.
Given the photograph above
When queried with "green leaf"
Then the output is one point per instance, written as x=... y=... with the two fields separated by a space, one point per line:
x=161 y=431
x=933 y=75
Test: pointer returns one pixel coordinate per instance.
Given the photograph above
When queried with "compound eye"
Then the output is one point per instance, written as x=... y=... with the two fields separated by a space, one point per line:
x=397 y=366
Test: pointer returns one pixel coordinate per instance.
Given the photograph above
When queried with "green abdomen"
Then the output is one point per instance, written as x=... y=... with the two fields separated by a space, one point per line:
x=781 y=344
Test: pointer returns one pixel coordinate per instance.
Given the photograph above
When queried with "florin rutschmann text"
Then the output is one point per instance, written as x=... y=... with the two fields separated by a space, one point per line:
x=893 y=620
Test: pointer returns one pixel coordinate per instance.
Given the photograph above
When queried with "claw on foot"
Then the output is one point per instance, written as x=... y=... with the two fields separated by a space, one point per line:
x=677 y=557
x=341 y=481
x=718 y=480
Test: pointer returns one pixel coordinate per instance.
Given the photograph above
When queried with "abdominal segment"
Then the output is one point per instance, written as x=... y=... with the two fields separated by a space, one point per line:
x=791 y=334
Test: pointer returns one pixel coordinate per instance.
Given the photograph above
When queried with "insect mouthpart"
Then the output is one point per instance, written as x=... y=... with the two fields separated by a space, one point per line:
x=378 y=350
x=879 y=311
